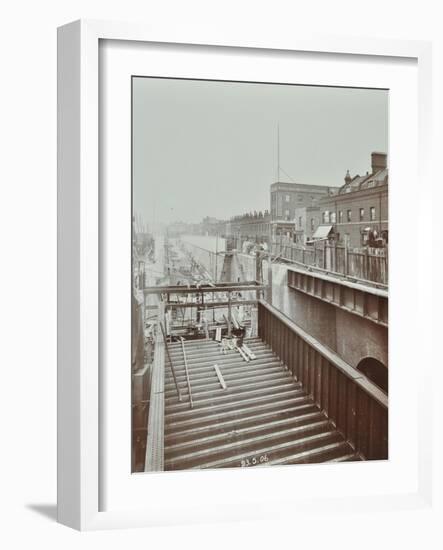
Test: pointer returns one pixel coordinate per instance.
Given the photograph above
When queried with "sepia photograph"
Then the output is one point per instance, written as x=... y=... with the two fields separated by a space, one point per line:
x=260 y=274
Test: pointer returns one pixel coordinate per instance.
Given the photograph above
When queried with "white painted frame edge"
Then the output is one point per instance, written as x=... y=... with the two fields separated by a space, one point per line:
x=78 y=248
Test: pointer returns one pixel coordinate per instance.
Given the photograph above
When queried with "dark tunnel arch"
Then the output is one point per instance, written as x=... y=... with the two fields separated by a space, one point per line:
x=376 y=371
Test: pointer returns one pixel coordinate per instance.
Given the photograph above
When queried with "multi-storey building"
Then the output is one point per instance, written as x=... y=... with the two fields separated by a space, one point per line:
x=357 y=214
x=253 y=226
x=212 y=226
x=307 y=219
x=286 y=198
x=178 y=228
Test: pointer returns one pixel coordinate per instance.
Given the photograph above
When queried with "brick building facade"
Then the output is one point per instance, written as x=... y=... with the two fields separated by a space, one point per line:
x=286 y=199
x=358 y=212
x=355 y=214
x=251 y=226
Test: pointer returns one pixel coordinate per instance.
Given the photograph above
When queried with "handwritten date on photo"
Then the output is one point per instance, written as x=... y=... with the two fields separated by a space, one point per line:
x=254 y=461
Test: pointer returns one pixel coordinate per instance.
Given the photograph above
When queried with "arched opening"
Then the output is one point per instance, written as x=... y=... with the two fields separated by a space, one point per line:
x=375 y=371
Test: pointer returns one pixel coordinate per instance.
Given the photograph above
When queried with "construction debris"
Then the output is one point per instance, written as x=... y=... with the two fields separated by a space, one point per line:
x=220 y=377
x=248 y=351
x=242 y=353
x=236 y=344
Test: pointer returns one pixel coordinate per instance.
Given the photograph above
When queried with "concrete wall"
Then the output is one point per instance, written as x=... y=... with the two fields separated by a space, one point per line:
x=244 y=268
x=316 y=317
x=281 y=297
x=351 y=336
x=358 y=338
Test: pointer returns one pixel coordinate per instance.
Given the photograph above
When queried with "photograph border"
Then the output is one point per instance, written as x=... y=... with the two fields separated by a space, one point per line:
x=79 y=250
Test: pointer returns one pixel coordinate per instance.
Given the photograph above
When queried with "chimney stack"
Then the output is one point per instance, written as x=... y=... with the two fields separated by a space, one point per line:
x=378 y=162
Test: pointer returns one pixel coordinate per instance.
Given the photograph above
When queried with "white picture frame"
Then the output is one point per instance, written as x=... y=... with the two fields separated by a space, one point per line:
x=79 y=256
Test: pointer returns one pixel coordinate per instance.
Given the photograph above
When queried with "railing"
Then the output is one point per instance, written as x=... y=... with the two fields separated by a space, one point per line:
x=187 y=373
x=154 y=456
x=370 y=264
x=357 y=407
x=171 y=364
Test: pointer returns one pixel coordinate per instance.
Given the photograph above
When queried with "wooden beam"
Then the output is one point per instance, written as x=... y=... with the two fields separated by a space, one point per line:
x=220 y=377
x=239 y=287
x=211 y=305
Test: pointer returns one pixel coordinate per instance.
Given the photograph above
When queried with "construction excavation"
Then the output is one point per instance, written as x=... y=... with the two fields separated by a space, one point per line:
x=222 y=378
x=260 y=273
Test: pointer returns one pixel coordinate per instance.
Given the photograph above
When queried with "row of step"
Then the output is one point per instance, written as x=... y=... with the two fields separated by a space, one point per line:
x=263 y=417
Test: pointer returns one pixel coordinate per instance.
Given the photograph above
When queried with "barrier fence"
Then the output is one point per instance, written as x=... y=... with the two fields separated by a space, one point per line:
x=357 y=407
x=370 y=264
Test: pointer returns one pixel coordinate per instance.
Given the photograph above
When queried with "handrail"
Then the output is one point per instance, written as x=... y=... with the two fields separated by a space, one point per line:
x=170 y=362
x=364 y=279
x=186 y=372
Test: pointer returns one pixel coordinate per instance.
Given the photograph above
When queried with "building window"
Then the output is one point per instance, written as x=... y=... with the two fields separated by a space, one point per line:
x=362 y=214
x=287 y=214
x=333 y=217
x=325 y=216
x=299 y=222
x=312 y=224
x=287 y=198
x=372 y=213
x=340 y=216
x=349 y=215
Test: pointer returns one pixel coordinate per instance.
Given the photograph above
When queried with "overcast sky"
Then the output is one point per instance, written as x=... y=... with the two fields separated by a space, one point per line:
x=210 y=148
